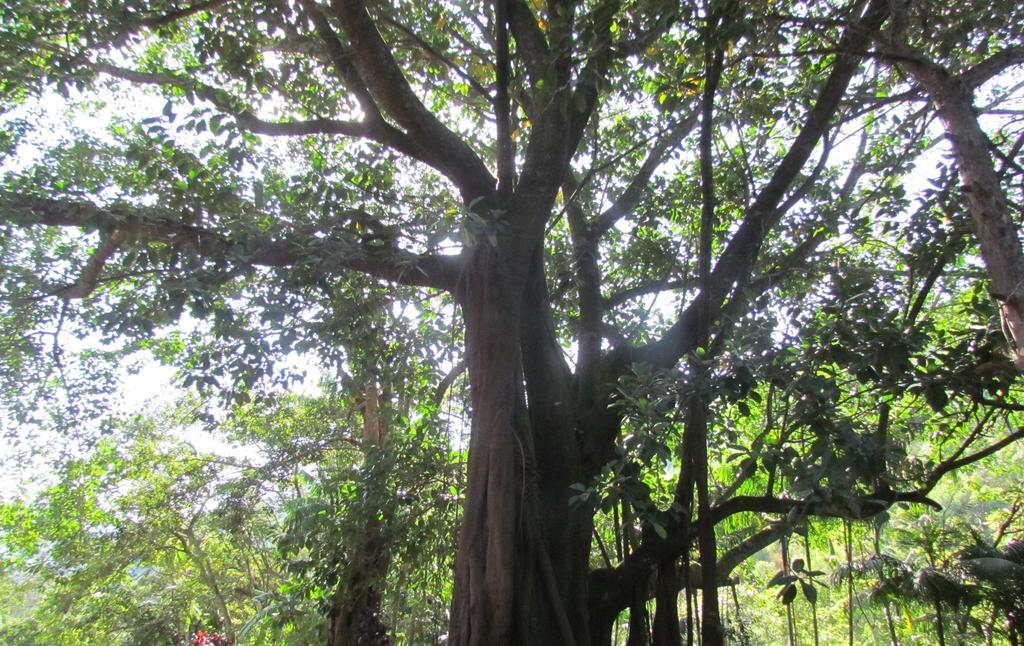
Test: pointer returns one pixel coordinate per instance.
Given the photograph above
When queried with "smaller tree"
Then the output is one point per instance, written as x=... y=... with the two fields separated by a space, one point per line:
x=143 y=540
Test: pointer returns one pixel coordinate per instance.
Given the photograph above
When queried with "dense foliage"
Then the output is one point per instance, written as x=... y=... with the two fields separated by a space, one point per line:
x=530 y=322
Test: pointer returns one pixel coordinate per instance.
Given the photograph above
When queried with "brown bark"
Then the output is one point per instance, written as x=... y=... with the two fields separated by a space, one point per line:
x=665 y=631
x=356 y=621
x=356 y=618
x=994 y=228
x=711 y=625
x=134 y=224
x=485 y=603
x=521 y=570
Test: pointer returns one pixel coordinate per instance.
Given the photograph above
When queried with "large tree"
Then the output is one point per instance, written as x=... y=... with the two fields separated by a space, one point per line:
x=655 y=218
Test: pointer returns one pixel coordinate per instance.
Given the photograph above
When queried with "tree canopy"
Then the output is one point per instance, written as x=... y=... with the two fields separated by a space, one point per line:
x=709 y=272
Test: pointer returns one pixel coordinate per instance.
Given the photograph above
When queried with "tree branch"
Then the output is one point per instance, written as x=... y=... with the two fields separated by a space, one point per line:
x=735 y=556
x=179 y=14
x=531 y=43
x=373 y=129
x=585 y=238
x=583 y=98
x=861 y=508
x=341 y=58
x=566 y=109
x=387 y=263
x=612 y=589
x=631 y=195
x=995 y=64
x=743 y=249
x=90 y=276
x=654 y=287
x=994 y=228
x=388 y=85
x=438 y=56
x=953 y=464
x=502 y=105
x=586 y=257
x=442 y=387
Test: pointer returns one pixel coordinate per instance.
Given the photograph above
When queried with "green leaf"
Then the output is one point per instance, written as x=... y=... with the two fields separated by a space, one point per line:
x=781 y=578
x=659 y=530
x=788 y=593
x=810 y=592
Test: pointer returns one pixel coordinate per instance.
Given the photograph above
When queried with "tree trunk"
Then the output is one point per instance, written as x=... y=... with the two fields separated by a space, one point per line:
x=490 y=541
x=666 y=619
x=520 y=575
x=994 y=229
x=356 y=620
x=940 y=632
x=355 y=617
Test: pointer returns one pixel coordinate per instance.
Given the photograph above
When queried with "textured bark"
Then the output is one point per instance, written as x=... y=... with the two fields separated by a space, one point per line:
x=665 y=631
x=522 y=565
x=508 y=587
x=565 y=530
x=994 y=228
x=355 y=617
x=356 y=621
x=610 y=590
x=486 y=600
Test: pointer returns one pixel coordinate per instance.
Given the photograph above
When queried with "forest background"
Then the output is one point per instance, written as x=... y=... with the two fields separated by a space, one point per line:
x=513 y=322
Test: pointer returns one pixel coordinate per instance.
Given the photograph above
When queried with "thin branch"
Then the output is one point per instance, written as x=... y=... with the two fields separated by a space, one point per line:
x=447 y=381
x=640 y=43
x=1011 y=517
x=248 y=121
x=655 y=287
x=812 y=179
x=502 y=105
x=742 y=250
x=696 y=448
x=179 y=14
x=998 y=403
x=90 y=276
x=630 y=196
x=438 y=56
x=949 y=252
x=951 y=465
x=374 y=129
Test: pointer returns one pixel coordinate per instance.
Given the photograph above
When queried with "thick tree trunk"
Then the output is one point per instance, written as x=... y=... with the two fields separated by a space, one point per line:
x=485 y=601
x=520 y=575
x=566 y=529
